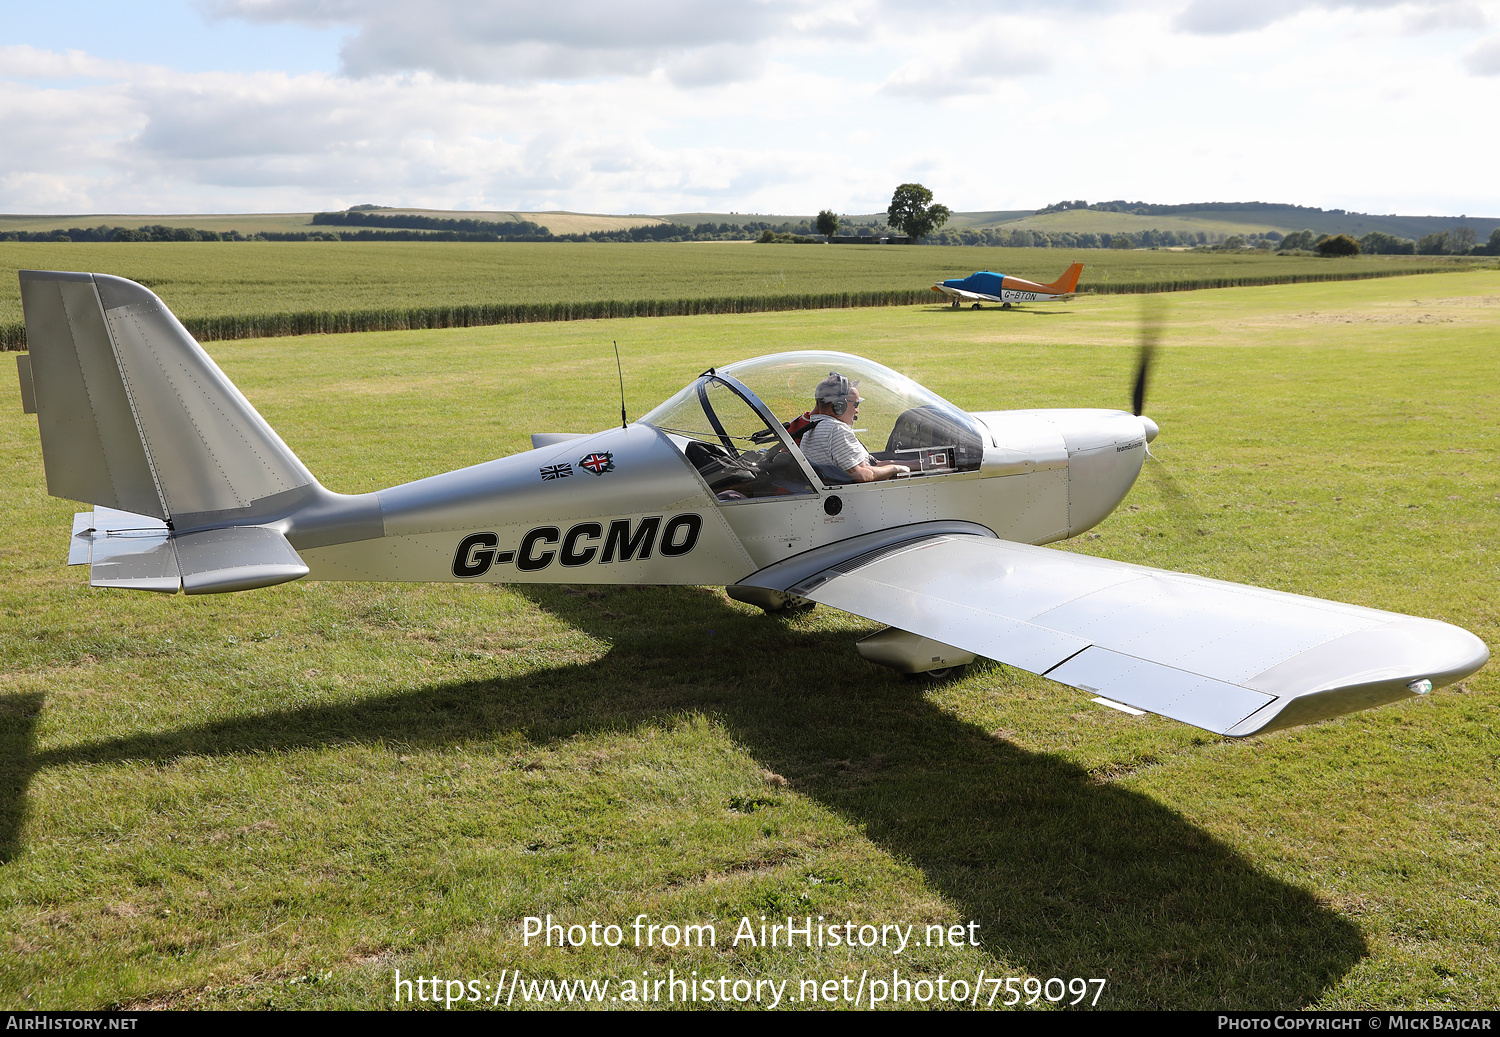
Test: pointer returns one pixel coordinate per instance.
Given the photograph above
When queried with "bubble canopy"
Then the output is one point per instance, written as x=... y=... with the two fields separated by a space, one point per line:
x=897 y=420
x=785 y=383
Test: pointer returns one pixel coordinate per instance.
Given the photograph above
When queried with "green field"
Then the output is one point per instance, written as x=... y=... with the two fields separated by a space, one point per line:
x=278 y=798
x=256 y=279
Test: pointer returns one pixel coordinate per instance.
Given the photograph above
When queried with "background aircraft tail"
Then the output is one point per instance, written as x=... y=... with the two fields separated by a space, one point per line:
x=1065 y=284
x=135 y=417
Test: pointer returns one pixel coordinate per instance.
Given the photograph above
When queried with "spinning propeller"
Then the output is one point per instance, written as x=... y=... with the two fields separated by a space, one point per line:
x=1178 y=503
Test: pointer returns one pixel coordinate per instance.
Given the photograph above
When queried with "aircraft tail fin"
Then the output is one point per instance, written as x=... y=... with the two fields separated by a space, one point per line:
x=135 y=416
x=1066 y=284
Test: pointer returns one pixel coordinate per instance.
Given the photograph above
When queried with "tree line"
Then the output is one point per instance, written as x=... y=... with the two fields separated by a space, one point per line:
x=1151 y=209
x=361 y=226
x=1458 y=242
x=912 y=212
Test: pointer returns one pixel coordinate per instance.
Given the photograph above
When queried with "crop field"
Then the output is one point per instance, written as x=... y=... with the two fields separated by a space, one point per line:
x=251 y=289
x=282 y=797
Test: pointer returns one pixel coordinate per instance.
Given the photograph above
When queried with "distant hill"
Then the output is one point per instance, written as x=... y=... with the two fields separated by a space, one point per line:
x=292 y=222
x=1215 y=218
x=1248 y=218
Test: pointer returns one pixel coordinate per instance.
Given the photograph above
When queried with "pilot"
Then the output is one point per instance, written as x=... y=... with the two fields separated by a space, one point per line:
x=832 y=442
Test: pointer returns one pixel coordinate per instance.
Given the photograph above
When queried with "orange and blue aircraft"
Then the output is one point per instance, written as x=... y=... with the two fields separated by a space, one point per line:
x=986 y=286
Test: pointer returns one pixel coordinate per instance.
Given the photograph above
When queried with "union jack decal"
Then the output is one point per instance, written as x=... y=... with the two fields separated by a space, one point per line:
x=556 y=471
x=598 y=463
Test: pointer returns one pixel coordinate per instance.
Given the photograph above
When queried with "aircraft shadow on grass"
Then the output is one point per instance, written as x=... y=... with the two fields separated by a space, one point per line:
x=1068 y=876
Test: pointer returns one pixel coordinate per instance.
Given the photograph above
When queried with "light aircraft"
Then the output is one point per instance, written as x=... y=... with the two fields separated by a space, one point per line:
x=985 y=286
x=193 y=491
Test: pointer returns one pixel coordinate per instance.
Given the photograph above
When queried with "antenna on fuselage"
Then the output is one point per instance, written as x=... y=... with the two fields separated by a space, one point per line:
x=621 y=372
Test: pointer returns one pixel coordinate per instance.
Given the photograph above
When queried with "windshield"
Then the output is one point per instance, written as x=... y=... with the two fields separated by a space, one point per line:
x=725 y=437
x=899 y=420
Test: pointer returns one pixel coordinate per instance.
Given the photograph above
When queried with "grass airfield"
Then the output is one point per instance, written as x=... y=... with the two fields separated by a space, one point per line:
x=218 y=279
x=279 y=798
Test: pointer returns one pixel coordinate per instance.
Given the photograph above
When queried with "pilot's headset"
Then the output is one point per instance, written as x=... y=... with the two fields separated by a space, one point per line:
x=834 y=391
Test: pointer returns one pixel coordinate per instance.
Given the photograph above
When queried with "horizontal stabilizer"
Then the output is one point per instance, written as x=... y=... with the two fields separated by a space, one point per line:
x=129 y=552
x=237 y=559
x=136 y=552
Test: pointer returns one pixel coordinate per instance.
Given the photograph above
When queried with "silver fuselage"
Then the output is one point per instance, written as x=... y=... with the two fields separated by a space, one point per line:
x=1046 y=475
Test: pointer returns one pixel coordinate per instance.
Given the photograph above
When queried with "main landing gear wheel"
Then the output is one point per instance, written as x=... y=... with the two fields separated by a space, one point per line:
x=956 y=304
x=941 y=676
x=1005 y=305
x=974 y=307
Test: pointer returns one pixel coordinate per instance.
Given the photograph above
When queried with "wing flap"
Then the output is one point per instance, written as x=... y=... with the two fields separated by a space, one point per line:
x=1164 y=690
x=1229 y=658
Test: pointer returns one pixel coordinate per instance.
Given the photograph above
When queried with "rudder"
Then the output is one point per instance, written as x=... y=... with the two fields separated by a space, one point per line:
x=134 y=415
x=1065 y=284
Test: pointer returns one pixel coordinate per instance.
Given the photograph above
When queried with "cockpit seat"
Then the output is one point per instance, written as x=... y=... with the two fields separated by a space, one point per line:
x=718 y=469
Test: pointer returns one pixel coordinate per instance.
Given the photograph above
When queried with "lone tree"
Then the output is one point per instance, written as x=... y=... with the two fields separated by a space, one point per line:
x=912 y=211
x=1340 y=245
x=828 y=223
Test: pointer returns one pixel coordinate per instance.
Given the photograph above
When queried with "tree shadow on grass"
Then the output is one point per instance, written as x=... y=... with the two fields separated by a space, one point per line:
x=1066 y=876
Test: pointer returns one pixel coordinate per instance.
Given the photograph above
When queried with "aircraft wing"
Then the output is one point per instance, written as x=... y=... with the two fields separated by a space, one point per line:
x=1229 y=658
x=963 y=293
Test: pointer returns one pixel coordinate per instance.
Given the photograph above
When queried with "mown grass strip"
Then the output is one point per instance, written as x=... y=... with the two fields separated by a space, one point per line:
x=414 y=318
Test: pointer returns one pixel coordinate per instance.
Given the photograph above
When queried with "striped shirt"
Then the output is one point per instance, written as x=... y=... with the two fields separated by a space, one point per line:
x=834 y=443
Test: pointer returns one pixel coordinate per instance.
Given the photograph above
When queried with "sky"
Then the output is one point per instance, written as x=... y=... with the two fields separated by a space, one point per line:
x=768 y=106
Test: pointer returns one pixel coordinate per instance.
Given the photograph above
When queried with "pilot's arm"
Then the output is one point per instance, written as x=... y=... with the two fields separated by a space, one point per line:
x=844 y=450
x=867 y=472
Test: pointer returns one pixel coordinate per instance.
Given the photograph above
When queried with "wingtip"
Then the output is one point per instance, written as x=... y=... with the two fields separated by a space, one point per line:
x=1398 y=659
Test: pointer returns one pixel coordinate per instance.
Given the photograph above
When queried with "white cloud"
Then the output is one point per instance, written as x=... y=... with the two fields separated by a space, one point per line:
x=515 y=40
x=978 y=67
x=786 y=106
x=20 y=61
x=160 y=141
x=1220 y=17
x=1448 y=16
x=1483 y=59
